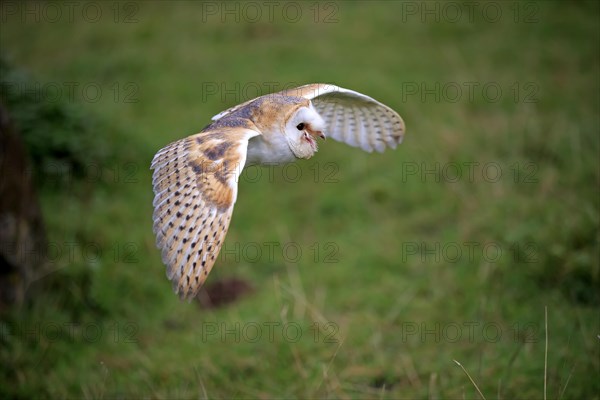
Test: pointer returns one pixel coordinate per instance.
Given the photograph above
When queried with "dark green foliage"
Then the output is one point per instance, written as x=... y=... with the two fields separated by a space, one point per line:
x=63 y=141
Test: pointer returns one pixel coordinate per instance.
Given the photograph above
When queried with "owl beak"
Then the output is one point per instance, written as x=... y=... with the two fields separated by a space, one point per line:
x=316 y=133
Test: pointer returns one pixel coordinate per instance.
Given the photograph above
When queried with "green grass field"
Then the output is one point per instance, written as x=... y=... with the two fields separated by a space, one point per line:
x=371 y=273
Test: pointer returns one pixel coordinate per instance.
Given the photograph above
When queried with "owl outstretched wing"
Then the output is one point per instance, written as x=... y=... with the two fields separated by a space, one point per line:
x=195 y=187
x=353 y=118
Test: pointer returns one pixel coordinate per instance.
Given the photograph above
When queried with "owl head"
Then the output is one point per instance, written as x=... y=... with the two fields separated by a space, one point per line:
x=301 y=129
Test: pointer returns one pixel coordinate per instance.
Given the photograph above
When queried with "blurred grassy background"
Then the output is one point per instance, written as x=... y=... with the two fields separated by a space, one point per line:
x=379 y=303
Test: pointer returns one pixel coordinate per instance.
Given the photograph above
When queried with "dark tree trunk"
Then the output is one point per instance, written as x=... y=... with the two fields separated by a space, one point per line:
x=22 y=234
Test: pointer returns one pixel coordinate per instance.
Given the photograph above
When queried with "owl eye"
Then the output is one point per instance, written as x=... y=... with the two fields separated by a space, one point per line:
x=300 y=126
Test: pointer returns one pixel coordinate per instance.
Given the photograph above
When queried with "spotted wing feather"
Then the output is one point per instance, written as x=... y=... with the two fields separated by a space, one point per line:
x=195 y=187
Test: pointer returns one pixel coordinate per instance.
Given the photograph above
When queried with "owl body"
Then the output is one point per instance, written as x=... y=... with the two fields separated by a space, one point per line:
x=264 y=152
x=195 y=179
x=275 y=117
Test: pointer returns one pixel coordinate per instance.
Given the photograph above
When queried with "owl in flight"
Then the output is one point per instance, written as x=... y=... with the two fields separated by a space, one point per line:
x=195 y=179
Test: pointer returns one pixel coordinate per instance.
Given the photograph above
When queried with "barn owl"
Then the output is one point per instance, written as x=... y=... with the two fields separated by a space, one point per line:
x=195 y=179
